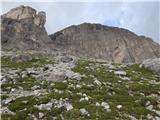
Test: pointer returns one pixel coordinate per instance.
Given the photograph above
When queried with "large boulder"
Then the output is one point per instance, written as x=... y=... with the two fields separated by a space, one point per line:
x=59 y=72
x=152 y=64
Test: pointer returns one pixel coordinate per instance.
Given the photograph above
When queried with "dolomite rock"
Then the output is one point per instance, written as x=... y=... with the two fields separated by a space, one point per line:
x=105 y=105
x=40 y=19
x=152 y=64
x=21 y=12
x=123 y=73
x=103 y=42
x=59 y=72
x=119 y=106
x=23 y=29
x=84 y=112
x=47 y=106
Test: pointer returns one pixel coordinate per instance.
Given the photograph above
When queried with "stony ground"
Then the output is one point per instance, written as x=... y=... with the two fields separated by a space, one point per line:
x=64 y=88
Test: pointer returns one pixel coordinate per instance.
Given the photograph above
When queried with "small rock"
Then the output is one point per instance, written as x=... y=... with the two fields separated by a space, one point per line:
x=24 y=101
x=98 y=82
x=13 y=89
x=5 y=110
x=112 y=67
x=57 y=75
x=148 y=103
x=149 y=116
x=78 y=86
x=68 y=106
x=157 y=112
x=85 y=98
x=121 y=73
x=105 y=105
x=124 y=78
x=84 y=111
x=47 y=106
x=72 y=75
x=41 y=115
x=133 y=118
x=119 y=106
x=35 y=87
x=8 y=100
x=97 y=104
x=4 y=80
x=150 y=107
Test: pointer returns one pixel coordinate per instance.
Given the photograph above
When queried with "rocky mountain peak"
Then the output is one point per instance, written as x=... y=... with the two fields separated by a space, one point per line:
x=104 y=42
x=23 y=28
x=21 y=12
x=26 y=12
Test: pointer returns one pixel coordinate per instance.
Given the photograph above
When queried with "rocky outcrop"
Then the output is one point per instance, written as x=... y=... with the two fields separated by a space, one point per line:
x=23 y=29
x=152 y=64
x=103 y=42
x=59 y=72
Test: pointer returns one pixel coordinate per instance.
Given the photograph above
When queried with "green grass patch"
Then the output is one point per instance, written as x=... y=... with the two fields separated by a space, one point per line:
x=35 y=62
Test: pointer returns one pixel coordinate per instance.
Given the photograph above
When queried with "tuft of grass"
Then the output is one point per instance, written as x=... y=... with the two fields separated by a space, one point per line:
x=3 y=97
x=22 y=103
x=60 y=85
x=26 y=82
x=145 y=88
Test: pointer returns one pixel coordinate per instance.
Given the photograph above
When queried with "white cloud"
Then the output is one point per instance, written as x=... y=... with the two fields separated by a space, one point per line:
x=139 y=17
x=142 y=18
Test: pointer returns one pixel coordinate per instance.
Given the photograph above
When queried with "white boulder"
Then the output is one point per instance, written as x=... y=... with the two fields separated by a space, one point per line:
x=152 y=64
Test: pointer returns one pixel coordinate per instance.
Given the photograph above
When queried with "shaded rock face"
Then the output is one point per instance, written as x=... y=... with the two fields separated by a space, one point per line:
x=103 y=42
x=23 y=29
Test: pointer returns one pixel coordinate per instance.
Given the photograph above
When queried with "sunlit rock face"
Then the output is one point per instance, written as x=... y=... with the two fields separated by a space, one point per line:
x=23 y=28
x=103 y=42
x=21 y=12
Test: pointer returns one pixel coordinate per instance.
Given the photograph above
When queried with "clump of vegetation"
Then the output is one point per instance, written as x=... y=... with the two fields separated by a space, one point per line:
x=22 y=103
x=132 y=94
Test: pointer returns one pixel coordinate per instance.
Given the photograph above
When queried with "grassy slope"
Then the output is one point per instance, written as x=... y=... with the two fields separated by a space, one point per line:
x=131 y=94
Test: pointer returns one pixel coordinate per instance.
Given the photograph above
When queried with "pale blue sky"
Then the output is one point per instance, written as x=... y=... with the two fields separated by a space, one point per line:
x=140 y=17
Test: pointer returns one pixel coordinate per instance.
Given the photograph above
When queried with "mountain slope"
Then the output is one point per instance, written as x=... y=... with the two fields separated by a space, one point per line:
x=109 y=43
x=38 y=85
x=22 y=29
x=102 y=91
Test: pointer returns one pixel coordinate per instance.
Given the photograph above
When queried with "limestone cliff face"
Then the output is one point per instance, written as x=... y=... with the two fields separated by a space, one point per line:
x=23 y=29
x=103 y=42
